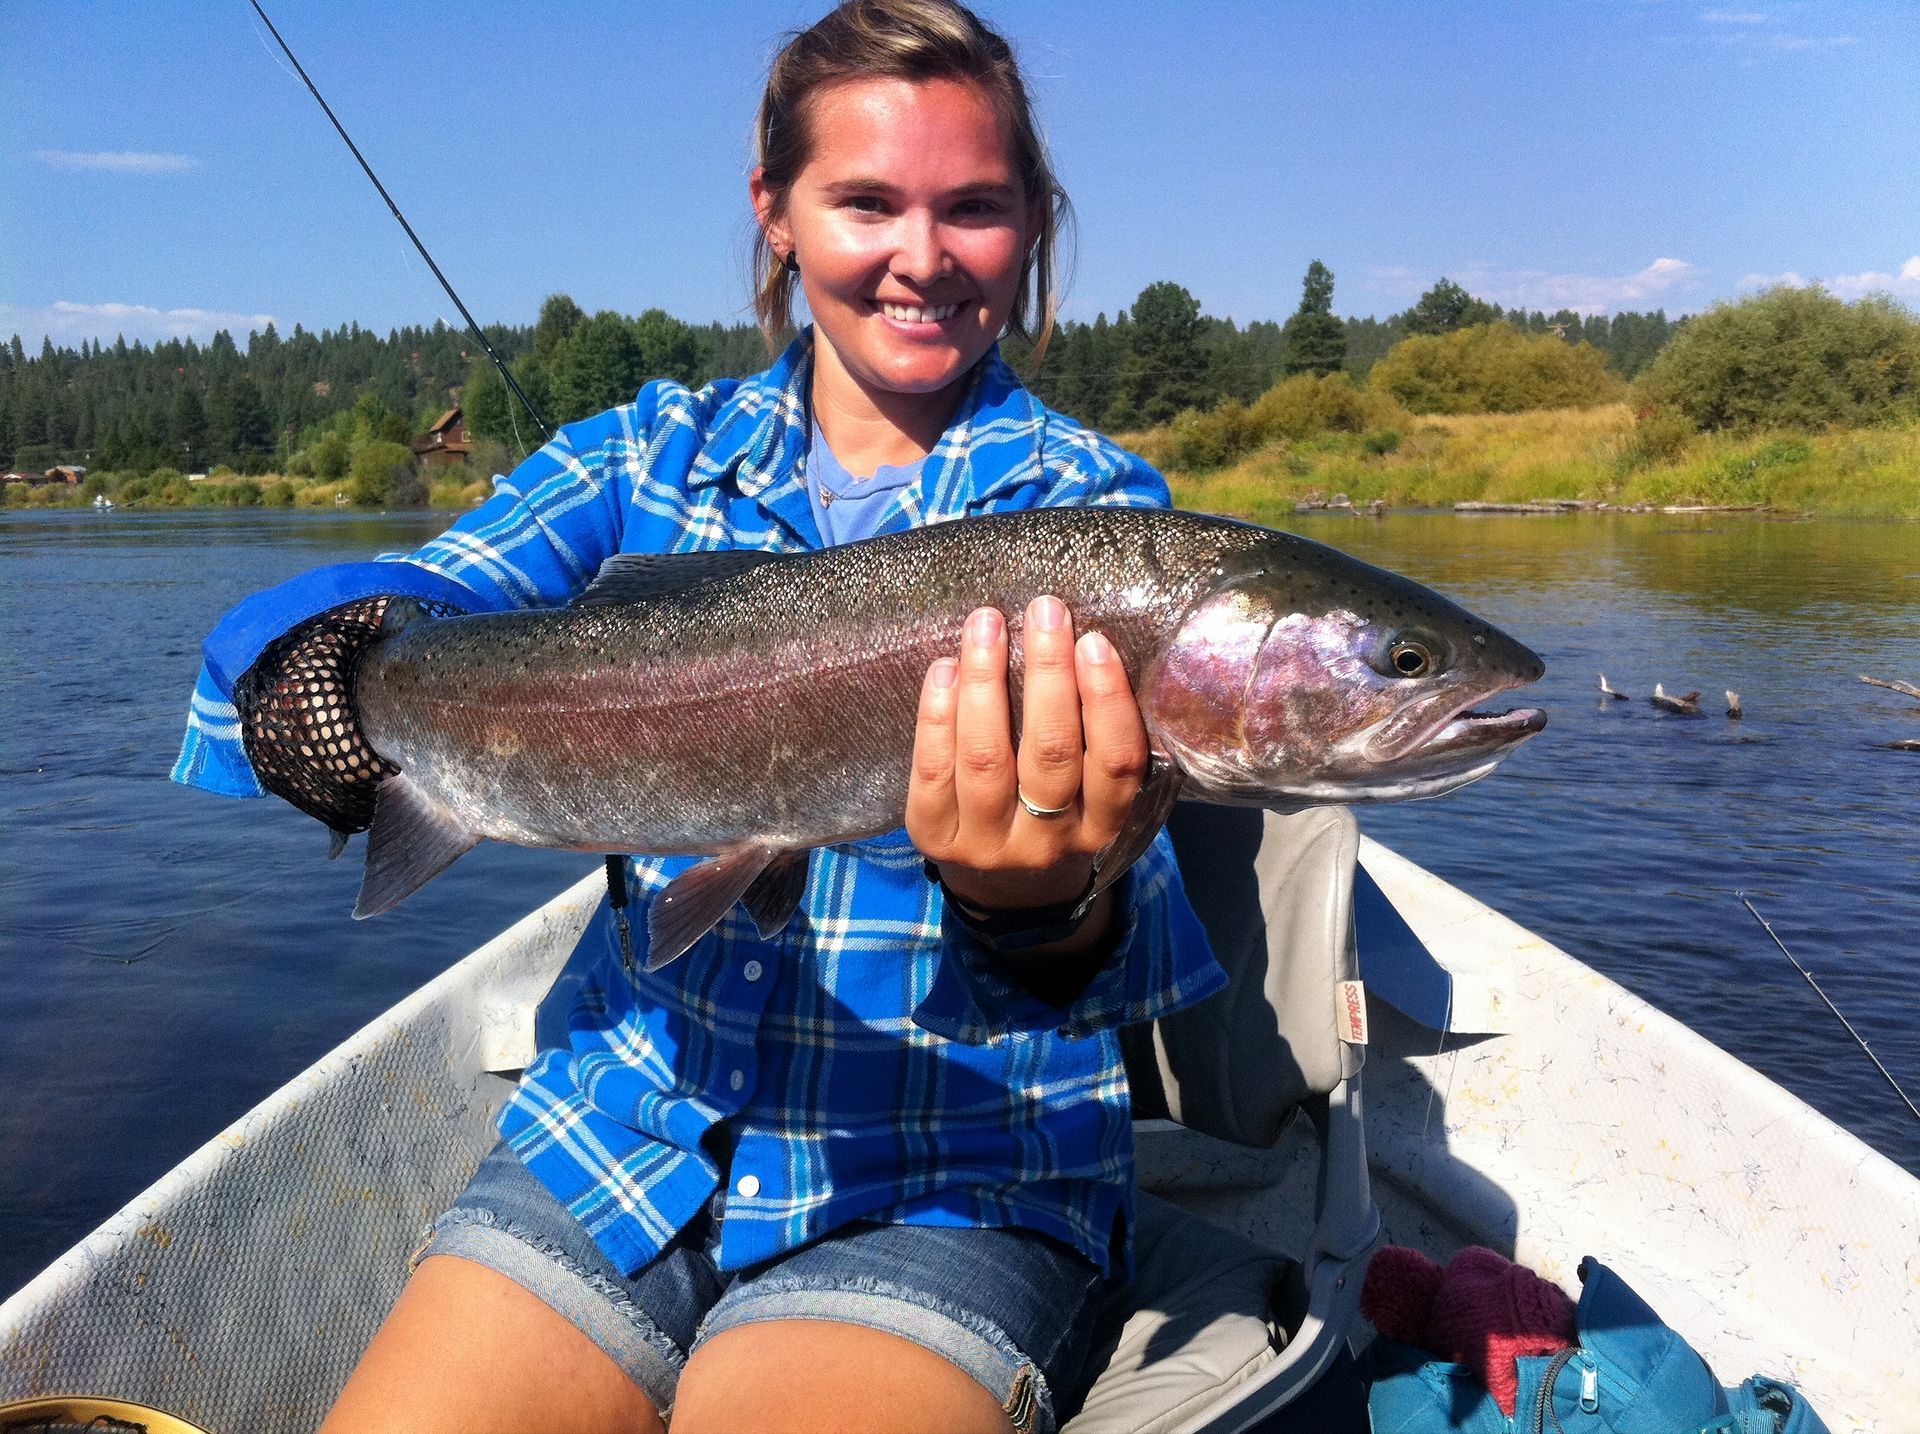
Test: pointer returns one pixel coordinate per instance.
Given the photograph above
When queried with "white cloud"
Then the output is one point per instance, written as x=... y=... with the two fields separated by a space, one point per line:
x=1904 y=283
x=67 y=323
x=1538 y=289
x=1809 y=42
x=118 y=161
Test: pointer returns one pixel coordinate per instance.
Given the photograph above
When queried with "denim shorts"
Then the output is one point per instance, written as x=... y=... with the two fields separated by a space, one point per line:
x=1012 y=1308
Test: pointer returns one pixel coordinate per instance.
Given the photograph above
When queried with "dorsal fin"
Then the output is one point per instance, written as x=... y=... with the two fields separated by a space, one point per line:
x=634 y=577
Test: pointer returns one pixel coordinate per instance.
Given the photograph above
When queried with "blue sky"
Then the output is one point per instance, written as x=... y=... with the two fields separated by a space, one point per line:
x=162 y=172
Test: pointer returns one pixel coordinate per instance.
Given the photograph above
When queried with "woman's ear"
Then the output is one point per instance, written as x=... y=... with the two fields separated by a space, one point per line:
x=764 y=211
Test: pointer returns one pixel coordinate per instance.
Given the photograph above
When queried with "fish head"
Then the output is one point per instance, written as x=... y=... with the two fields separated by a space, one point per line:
x=1305 y=677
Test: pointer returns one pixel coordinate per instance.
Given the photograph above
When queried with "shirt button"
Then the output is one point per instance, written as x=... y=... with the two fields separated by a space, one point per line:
x=747 y=1186
x=753 y=970
x=737 y=1080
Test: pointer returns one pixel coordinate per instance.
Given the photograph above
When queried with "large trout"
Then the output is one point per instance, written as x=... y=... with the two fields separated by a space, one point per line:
x=750 y=706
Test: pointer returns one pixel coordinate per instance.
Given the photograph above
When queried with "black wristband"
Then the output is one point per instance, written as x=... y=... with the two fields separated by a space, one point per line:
x=1012 y=932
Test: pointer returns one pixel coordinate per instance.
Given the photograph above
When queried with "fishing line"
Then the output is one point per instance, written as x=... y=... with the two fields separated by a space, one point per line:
x=472 y=325
x=1859 y=1039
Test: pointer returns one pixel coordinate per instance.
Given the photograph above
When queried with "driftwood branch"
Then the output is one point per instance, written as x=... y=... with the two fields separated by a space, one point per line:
x=1905 y=688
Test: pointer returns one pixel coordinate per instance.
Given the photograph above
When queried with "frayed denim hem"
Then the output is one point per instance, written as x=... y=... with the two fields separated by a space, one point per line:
x=965 y=1339
x=653 y=1361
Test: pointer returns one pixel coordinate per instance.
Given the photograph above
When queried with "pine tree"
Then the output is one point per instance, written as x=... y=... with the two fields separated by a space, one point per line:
x=1316 y=342
x=1166 y=366
x=1446 y=307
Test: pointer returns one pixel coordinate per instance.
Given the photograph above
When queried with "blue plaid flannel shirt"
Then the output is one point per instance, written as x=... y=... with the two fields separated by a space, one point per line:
x=870 y=1061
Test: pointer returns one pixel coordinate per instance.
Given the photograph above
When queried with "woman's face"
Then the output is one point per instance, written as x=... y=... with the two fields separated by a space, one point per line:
x=910 y=228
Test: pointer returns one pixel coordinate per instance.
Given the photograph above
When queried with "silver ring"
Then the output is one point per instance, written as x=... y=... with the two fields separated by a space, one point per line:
x=1032 y=810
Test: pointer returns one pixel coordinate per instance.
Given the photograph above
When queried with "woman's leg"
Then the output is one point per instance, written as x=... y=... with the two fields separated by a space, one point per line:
x=467 y=1350
x=896 y=1328
x=797 y=1376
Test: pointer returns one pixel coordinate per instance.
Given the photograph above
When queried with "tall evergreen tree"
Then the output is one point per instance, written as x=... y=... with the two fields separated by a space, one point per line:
x=1446 y=307
x=1316 y=342
x=187 y=430
x=1166 y=366
x=559 y=317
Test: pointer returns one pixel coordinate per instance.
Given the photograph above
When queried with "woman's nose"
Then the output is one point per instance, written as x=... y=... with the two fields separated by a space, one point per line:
x=922 y=255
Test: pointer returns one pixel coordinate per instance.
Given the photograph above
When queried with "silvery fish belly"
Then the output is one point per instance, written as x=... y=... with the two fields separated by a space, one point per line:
x=751 y=706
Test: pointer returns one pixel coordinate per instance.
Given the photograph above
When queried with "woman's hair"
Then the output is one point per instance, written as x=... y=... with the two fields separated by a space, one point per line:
x=906 y=40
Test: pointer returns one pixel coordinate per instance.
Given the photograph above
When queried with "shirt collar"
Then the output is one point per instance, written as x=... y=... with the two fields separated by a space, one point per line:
x=761 y=440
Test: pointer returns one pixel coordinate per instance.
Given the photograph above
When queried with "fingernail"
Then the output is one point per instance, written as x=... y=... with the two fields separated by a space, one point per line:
x=1048 y=614
x=944 y=672
x=1096 y=648
x=983 y=628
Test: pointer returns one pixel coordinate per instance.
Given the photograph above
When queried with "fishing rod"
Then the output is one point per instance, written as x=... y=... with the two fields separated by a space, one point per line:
x=616 y=866
x=472 y=326
x=1860 y=1039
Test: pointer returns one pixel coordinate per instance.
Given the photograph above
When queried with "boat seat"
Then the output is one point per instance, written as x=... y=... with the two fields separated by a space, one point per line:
x=1217 y=1333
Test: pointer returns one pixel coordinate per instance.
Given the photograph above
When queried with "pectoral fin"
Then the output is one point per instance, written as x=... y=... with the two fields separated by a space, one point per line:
x=694 y=901
x=1149 y=812
x=413 y=839
x=776 y=892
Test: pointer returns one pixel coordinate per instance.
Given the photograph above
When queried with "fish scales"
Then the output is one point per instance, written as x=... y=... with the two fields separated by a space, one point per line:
x=777 y=703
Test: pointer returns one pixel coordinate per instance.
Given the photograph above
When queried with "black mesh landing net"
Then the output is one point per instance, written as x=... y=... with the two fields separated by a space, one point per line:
x=298 y=722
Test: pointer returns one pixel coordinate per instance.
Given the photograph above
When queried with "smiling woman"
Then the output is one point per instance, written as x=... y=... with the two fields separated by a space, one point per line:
x=892 y=1184
x=911 y=237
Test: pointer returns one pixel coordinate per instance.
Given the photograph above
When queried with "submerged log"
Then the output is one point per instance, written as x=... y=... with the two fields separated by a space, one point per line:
x=1687 y=706
x=1904 y=688
x=1613 y=692
x=1905 y=744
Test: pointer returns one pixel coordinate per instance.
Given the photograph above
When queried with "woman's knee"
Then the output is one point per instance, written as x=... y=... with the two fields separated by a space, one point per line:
x=465 y=1348
x=803 y=1375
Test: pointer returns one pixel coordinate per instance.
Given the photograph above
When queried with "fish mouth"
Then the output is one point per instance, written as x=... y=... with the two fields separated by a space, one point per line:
x=1452 y=721
x=1476 y=731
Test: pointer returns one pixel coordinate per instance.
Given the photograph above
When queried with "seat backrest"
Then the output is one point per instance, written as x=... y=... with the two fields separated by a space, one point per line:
x=1275 y=894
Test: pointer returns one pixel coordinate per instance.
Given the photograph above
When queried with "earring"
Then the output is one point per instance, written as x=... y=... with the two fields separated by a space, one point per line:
x=791 y=263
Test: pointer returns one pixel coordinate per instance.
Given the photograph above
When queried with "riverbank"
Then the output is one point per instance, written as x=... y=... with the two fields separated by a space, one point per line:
x=1595 y=455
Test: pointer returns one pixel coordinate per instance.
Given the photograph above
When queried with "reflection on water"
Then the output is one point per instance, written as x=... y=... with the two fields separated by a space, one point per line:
x=171 y=957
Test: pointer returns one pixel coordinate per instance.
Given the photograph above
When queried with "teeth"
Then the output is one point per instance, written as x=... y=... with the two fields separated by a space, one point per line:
x=909 y=314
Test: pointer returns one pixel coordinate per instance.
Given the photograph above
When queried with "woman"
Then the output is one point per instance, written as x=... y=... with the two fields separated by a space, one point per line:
x=874 y=1173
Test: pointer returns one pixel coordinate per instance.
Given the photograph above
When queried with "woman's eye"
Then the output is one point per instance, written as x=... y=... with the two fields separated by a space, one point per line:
x=865 y=204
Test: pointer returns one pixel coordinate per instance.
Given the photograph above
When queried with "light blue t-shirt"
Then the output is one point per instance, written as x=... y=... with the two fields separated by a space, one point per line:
x=847 y=507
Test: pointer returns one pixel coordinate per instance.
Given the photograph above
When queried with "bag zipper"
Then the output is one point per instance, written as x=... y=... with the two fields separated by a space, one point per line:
x=1589 y=1387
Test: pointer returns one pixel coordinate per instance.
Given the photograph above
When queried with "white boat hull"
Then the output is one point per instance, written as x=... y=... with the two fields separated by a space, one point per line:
x=238 y=1291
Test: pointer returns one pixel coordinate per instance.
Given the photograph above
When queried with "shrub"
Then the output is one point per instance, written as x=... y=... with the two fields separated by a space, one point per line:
x=1660 y=436
x=1304 y=406
x=1383 y=441
x=278 y=495
x=1790 y=358
x=1494 y=368
x=384 y=476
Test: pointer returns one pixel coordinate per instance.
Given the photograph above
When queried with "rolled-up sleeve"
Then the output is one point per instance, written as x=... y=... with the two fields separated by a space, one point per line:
x=1161 y=961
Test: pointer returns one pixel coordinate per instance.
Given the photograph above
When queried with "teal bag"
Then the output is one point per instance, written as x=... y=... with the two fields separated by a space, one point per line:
x=1629 y=1374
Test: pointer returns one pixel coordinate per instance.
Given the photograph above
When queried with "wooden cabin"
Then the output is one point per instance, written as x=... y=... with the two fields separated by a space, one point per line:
x=445 y=442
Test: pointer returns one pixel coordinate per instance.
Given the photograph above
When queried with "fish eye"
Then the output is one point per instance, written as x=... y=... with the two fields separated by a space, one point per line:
x=1410 y=657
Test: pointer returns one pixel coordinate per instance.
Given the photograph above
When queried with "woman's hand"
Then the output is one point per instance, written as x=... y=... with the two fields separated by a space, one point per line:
x=1083 y=749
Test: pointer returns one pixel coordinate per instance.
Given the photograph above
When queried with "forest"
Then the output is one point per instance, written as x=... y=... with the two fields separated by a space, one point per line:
x=308 y=402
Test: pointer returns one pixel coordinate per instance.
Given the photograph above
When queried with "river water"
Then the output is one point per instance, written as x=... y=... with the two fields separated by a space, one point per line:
x=170 y=957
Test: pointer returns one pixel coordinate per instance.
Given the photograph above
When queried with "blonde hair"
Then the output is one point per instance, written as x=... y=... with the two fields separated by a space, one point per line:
x=907 y=40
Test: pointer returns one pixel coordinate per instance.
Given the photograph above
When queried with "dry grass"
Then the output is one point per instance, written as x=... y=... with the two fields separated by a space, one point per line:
x=1593 y=453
